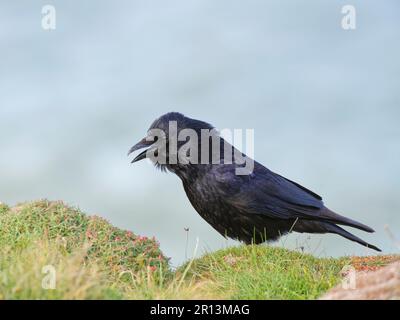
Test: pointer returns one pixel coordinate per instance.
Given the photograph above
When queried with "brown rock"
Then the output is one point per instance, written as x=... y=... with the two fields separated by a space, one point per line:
x=383 y=284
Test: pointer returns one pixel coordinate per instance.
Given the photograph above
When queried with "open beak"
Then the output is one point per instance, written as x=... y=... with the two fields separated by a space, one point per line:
x=140 y=145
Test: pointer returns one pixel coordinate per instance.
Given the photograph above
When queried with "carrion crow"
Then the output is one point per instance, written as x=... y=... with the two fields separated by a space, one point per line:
x=253 y=208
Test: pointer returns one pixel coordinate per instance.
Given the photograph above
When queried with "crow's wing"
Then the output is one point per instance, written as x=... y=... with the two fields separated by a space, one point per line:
x=265 y=192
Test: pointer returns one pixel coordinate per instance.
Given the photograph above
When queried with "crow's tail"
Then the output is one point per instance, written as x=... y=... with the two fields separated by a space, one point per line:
x=332 y=228
x=331 y=216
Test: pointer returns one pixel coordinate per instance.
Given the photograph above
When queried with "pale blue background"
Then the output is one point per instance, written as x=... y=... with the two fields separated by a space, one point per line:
x=324 y=104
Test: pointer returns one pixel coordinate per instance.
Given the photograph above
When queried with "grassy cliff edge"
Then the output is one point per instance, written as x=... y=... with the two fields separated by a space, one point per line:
x=91 y=259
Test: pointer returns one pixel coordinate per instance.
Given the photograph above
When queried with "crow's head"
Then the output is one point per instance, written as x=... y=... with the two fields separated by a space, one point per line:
x=166 y=136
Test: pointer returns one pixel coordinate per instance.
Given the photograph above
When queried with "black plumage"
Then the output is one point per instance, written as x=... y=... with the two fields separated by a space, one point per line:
x=253 y=208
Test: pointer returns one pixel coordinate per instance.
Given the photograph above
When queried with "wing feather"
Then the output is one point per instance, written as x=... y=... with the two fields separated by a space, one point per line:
x=265 y=192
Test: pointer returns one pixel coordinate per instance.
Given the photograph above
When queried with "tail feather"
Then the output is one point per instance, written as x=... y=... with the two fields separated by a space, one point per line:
x=327 y=214
x=332 y=228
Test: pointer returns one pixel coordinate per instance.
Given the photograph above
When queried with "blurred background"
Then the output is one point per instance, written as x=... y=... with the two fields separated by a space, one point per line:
x=324 y=103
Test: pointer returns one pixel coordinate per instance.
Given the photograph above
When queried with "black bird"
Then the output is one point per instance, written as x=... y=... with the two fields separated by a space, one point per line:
x=253 y=208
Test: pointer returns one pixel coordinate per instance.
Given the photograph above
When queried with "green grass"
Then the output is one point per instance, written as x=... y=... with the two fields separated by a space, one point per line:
x=262 y=272
x=94 y=260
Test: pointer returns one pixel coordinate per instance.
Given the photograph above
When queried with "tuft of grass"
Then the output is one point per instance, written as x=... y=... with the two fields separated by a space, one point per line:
x=26 y=275
x=92 y=259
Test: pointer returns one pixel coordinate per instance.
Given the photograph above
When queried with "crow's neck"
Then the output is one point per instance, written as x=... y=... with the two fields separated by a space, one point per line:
x=188 y=173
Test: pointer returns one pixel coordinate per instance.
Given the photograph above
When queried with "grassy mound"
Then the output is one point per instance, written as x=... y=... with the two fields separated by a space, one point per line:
x=91 y=259
x=262 y=272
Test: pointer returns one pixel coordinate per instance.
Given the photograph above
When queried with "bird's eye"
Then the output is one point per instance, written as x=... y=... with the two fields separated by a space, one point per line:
x=152 y=138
